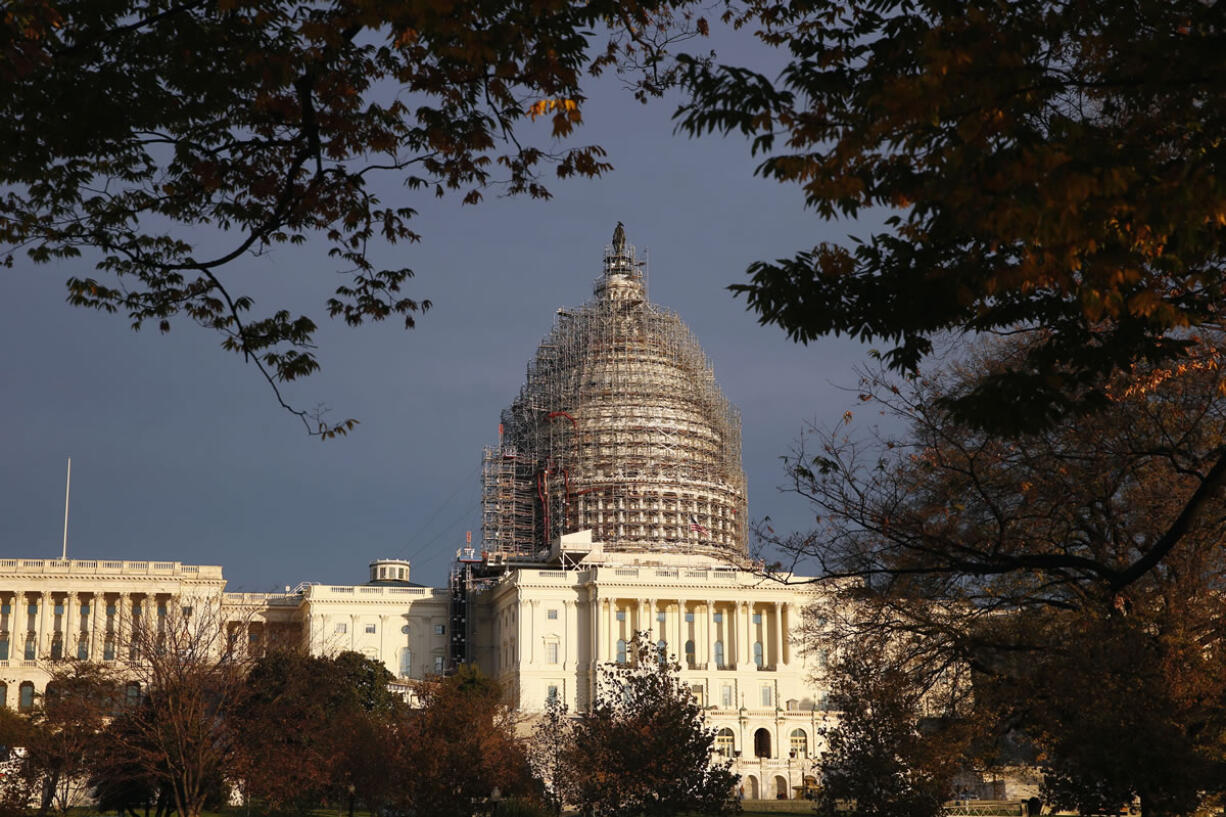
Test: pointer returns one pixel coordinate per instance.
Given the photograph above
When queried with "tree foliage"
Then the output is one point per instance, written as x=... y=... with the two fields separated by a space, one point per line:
x=460 y=746
x=309 y=731
x=1034 y=573
x=882 y=759
x=180 y=735
x=1052 y=166
x=66 y=733
x=170 y=139
x=644 y=748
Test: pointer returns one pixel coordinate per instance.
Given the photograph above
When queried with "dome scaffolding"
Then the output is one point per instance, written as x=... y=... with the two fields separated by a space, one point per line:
x=620 y=428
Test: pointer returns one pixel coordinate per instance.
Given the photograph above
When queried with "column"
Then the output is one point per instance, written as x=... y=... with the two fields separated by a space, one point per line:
x=594 y=632
x=394 y=664
x=778 y=657
x=529 y=608
x=680 y=629
x=710 y=635
x=785 y=619
x=72 y=624
x=602 y=631
x=20 y=627
x=732 y=635
x=123 y=625
x=97 y=614
x=611 y=635
x=744 y=649
x=570 y=644
x=45 y=622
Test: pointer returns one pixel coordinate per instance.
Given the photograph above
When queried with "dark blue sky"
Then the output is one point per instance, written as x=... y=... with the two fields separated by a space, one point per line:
x=180 y=452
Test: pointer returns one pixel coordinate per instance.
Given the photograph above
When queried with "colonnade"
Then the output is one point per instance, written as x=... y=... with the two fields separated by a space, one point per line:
x=702 y=634
x=47 y=624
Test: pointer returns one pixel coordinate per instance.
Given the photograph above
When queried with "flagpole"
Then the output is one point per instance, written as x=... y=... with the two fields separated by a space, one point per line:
x=67 y=488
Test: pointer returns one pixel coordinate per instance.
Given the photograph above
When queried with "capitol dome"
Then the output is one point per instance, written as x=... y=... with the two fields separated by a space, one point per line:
x=621 y=429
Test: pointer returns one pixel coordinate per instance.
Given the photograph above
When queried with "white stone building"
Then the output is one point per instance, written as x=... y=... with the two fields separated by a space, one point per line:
x=615 y=504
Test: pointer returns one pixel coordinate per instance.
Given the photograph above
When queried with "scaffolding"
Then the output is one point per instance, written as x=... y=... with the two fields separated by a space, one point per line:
x=620 y=428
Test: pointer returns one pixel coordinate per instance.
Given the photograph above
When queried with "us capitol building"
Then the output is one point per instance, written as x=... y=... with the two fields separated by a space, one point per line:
x=613 y=502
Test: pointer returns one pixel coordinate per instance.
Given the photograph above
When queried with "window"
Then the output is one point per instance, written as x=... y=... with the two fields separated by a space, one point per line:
x=621 y=650
x=621 y=615
x=696 y=692
x=341 y=627
x=762 y=743
x=723 y=742
x=4 y=694
x=661 y=616
x=83 y=649
x=84 y=614
x=440 y=629
x=718 y=618
x=57 y=647
x=108 y=650
x=689 y=653
x=725 y=697
x=823 y=659
x=757 y=618
x=59 y=608
x=25 y=697
x=4 y=648
x=405 y=629
x=187 y=612
x=30 y=648
x=552 y=615
x=757 y=654
x=800 y=743
x=551 y=652
x=689 y=618
x=440 y=663
x=662 y=650
x=131 y=694
x=406 y=661
x=551 y=695
x=768 y=695
x=370 y=628
x=719 y=655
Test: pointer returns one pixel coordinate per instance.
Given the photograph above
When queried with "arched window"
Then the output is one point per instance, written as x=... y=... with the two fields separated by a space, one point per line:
x=662 y=651
x=757 y=654
x=719 y=655
x=762 y=743
x=621 y=650
x=751 y=787
x=724 y=740
x=781 y=787
x=800 y=743
x=689 y=654
x=25 y=697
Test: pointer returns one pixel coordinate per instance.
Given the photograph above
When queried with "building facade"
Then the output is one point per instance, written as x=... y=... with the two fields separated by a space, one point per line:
x=613 y=506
